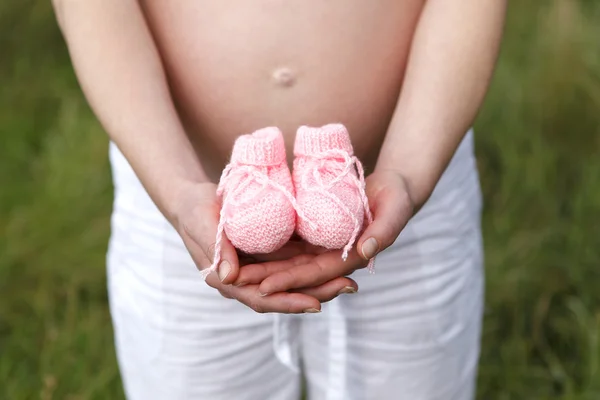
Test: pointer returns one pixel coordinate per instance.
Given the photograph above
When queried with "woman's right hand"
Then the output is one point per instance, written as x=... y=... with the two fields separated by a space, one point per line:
x=196 y=218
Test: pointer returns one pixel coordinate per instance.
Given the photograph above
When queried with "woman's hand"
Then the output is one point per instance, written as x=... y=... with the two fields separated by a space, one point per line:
x=392 y=207
x=196 y=220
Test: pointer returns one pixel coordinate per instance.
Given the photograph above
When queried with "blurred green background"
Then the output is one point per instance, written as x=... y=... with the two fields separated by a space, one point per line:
x=538 y=143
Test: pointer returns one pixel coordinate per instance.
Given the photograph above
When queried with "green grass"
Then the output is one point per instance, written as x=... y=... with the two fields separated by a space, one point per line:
x=538 y=143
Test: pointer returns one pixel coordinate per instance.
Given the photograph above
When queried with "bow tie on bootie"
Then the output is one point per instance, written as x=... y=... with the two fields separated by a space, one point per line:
x=330 y=188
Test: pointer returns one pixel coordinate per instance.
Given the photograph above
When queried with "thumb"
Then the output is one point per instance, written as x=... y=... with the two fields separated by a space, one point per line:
x=215 y=247
x=392 y=208
x=226 y=262
x=221 y=253
x=223 y=256
x=199 y=225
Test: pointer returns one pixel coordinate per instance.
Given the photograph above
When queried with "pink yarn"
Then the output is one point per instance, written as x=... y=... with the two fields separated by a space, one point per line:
x=330 y=188
x=258 y=212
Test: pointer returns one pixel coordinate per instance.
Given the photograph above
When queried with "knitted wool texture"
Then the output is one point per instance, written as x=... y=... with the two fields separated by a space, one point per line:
x=330 y=188
x=257 y=212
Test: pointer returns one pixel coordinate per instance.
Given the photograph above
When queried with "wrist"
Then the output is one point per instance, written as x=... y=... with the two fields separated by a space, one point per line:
x=184 y=197
x=420 y=160
x=418 y=186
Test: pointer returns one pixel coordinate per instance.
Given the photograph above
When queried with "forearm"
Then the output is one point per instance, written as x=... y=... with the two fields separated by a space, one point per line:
x=120 y=72
x=449 y=69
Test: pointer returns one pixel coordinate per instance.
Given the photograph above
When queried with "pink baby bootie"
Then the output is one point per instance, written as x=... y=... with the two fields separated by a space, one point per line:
x=258 y=206
x=330 y=188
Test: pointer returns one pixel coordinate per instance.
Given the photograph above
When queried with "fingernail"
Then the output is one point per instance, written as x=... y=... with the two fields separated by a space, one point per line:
x=312 y=311
x=347 y=290
x=264 y=294
x=369 y=248
x=224 y=270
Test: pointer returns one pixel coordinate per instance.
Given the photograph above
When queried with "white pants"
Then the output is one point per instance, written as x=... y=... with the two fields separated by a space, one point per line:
x=411 y=332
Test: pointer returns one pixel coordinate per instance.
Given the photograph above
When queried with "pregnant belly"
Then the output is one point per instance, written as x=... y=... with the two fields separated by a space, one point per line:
x=240 y=65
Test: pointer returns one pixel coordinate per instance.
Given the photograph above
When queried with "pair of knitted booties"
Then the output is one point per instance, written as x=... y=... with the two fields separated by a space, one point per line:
x=323 y=201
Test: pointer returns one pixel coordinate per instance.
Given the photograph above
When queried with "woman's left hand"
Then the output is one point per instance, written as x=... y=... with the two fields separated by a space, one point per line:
x=392 y=207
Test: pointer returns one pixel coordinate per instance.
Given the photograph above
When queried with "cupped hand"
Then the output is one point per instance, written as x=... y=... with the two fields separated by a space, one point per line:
x=196 y=221
x=293 y=248
x=392 y=207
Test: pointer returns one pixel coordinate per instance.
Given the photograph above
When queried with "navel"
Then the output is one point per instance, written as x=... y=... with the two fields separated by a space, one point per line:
x=284 y=77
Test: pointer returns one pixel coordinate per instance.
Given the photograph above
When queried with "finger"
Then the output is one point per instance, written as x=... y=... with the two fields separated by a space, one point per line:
x=332 y=289
x=203 y=234
x=285 y=303
x=255 y=273
x=228 y=267
x=317 y=271
x=392 y=208
x=290 y=250
x=225 y=294
x=245 y=260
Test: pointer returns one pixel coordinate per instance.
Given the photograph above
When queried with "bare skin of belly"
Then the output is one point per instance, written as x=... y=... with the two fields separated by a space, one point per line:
x=237 y=66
